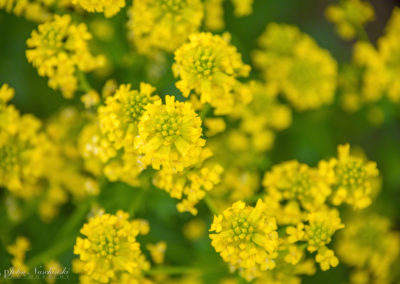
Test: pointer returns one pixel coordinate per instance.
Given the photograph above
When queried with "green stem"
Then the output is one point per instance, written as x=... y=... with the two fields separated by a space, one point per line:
x=84 y=84
x=204 y=112
x=210 y=204
x=136 y=203
x=362 y=34
x=60 y=246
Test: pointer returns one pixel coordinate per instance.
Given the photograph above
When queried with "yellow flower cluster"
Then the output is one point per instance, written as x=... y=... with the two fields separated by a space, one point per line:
x=23 y=148
x=157 y=251
x=350 y=16
x=355 y=180
x=170 y=135
x=246 y=238
x=65 y=174
x=381 y=65
x=108 y=7
x=59 y=49
x=294 y=64
x=190 y=185
x=371 y=247
x=32 y=10
x=242 y=7
x=18 y=251
x=163 y=24
x=296 y=182
x=109 y=252
x=209 y=66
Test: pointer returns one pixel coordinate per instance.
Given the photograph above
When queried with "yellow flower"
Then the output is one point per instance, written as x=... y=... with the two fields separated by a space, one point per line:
x=369 y=244
x=120 y=115
x=169 y=135
x=355 y=179
x=108 y=7
x=293 y=255
x=23 y=149
x=194 y=229
x=350 y=16
x=157 y=251
x=295 y=234
x=192 y=184
x=246 y=238
x=321 y=226
x=18 y=251
x=214 y=126
x=109 y=248
x=209 y=66
x=32 y=10
x=242 y=7
x=293 y=62
x=214 y=15
x=294 y=181
x=59 y=49
x=326 y=258
x=163 y=24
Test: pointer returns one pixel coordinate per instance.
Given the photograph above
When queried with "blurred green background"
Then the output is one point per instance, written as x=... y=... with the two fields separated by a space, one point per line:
x=314 y=135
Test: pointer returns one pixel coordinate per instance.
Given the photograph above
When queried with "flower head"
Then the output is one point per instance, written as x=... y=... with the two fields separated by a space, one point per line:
x=349 y=16
x=108 y=7
x=109 y=248
x=58 y=49
x=246 y=238
x=169 y=135
x=210 y=66
x=163 y=24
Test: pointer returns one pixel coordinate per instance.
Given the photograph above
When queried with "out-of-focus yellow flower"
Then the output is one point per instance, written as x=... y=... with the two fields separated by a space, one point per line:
x=369 y=245
x=194 y=229
x=108 y=7
x=350 y=16
x=23 y=149
x=355 y=179
x=53 y=270
x=209 y=66
x=293 y=62
x=294 y=181
x=214 y=126
x=242 y=7
x=110 y=249
x=18 y=251
x=32 y=10
x=59 y=49
x=163 y=24
x=246 y=238
x=214 y=15
x=169 y=135
x=157 y=251
x=90 y=99
x=326 y=258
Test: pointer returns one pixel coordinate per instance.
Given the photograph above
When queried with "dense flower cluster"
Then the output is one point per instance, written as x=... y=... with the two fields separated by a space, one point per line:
x=59 y=49
x=163 y=24
x=207 y=146
x=109 y=251
x=246 y=238
x=293 y=62
x=371 y=247
x=209 y=66
x=350 y=16
x=109 y=8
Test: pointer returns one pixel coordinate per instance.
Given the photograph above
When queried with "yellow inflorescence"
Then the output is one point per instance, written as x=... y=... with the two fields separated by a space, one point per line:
x=170 y=135
x=371 y=247
x=163 y=24
x=293 y=63
x=246 y=238
x=23 y=148
x=108 y=7
x=242 y=7
x=32 y=10
x=355 y=180
x=209 y=66
x=294 y=181
x=18 y=251
x=109 y=249
x=350 y=16
x=59 y=49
